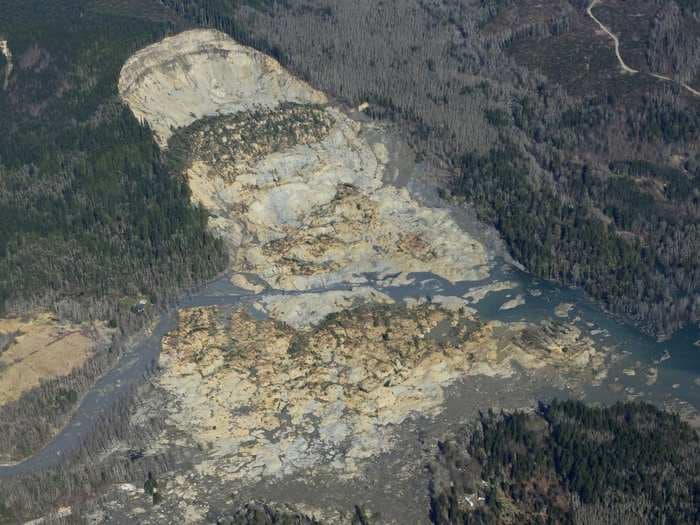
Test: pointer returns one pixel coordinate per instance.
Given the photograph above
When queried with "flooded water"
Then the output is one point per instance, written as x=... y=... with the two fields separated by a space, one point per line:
x=676 y=383
x=666 y=373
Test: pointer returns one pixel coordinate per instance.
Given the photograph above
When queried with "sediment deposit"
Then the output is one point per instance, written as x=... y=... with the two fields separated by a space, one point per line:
x=268 y=399
x=479 y=293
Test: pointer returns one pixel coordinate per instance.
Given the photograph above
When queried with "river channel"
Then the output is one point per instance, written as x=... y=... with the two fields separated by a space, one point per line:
x=676 y=383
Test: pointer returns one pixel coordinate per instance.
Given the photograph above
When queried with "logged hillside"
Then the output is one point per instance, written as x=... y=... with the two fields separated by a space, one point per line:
x=90 y=218
x=591 y=175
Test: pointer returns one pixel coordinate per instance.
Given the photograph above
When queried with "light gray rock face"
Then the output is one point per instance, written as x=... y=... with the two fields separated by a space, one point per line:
x=299 y=217
x=319 y=214
x=5 y=50
x=203 y=72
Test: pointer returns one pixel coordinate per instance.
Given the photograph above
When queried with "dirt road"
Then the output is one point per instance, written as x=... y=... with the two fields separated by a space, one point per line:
x=623 y=65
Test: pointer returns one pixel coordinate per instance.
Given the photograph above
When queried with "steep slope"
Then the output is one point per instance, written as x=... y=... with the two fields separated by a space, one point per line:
x=534 y=89
x=295 y=190
x=203 y=72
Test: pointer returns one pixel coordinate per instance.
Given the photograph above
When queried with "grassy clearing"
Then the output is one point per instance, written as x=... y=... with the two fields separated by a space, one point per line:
x=44 y=349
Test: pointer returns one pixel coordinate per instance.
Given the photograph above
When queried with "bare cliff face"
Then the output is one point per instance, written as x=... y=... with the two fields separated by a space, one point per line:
x=204 y=72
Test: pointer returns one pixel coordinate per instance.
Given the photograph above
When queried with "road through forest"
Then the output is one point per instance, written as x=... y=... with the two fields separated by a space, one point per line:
x=623 y=64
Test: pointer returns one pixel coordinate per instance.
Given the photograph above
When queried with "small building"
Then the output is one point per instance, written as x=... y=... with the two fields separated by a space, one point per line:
x=140 y=306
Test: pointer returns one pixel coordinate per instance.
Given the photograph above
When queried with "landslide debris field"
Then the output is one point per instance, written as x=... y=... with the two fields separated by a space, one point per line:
x=340 y=358
x=345 y=338
x=362 y=349
x=543 y=132
x=302 y=204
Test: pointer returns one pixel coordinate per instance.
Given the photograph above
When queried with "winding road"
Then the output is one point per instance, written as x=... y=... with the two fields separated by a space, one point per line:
x=612 y=35
x=626 y=68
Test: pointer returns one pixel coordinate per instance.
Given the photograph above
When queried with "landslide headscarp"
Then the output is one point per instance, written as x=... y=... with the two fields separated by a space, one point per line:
x=204 y=72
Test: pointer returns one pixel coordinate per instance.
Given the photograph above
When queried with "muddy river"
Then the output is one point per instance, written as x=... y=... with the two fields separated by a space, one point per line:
x=665 y=373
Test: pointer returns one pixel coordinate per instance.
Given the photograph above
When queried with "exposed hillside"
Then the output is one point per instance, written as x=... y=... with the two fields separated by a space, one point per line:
x=327 y=385
x=181 y=79
x=348 y=339
x=527 y=103
x=295 y=191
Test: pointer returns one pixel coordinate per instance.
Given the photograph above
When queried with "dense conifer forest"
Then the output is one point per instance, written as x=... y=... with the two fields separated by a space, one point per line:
x=89 y=215
x=569 y=463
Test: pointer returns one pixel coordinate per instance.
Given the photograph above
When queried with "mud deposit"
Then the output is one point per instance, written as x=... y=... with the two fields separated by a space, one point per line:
x=343 y=364
x=269 y=400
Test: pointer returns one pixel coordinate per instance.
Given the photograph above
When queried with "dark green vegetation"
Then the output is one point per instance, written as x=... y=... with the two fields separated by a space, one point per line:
x=88 y=212
x=569 y=463
x=257 y=513
x=526 y=104
x=90 y=217
x=261 y=132
x=150 y=488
